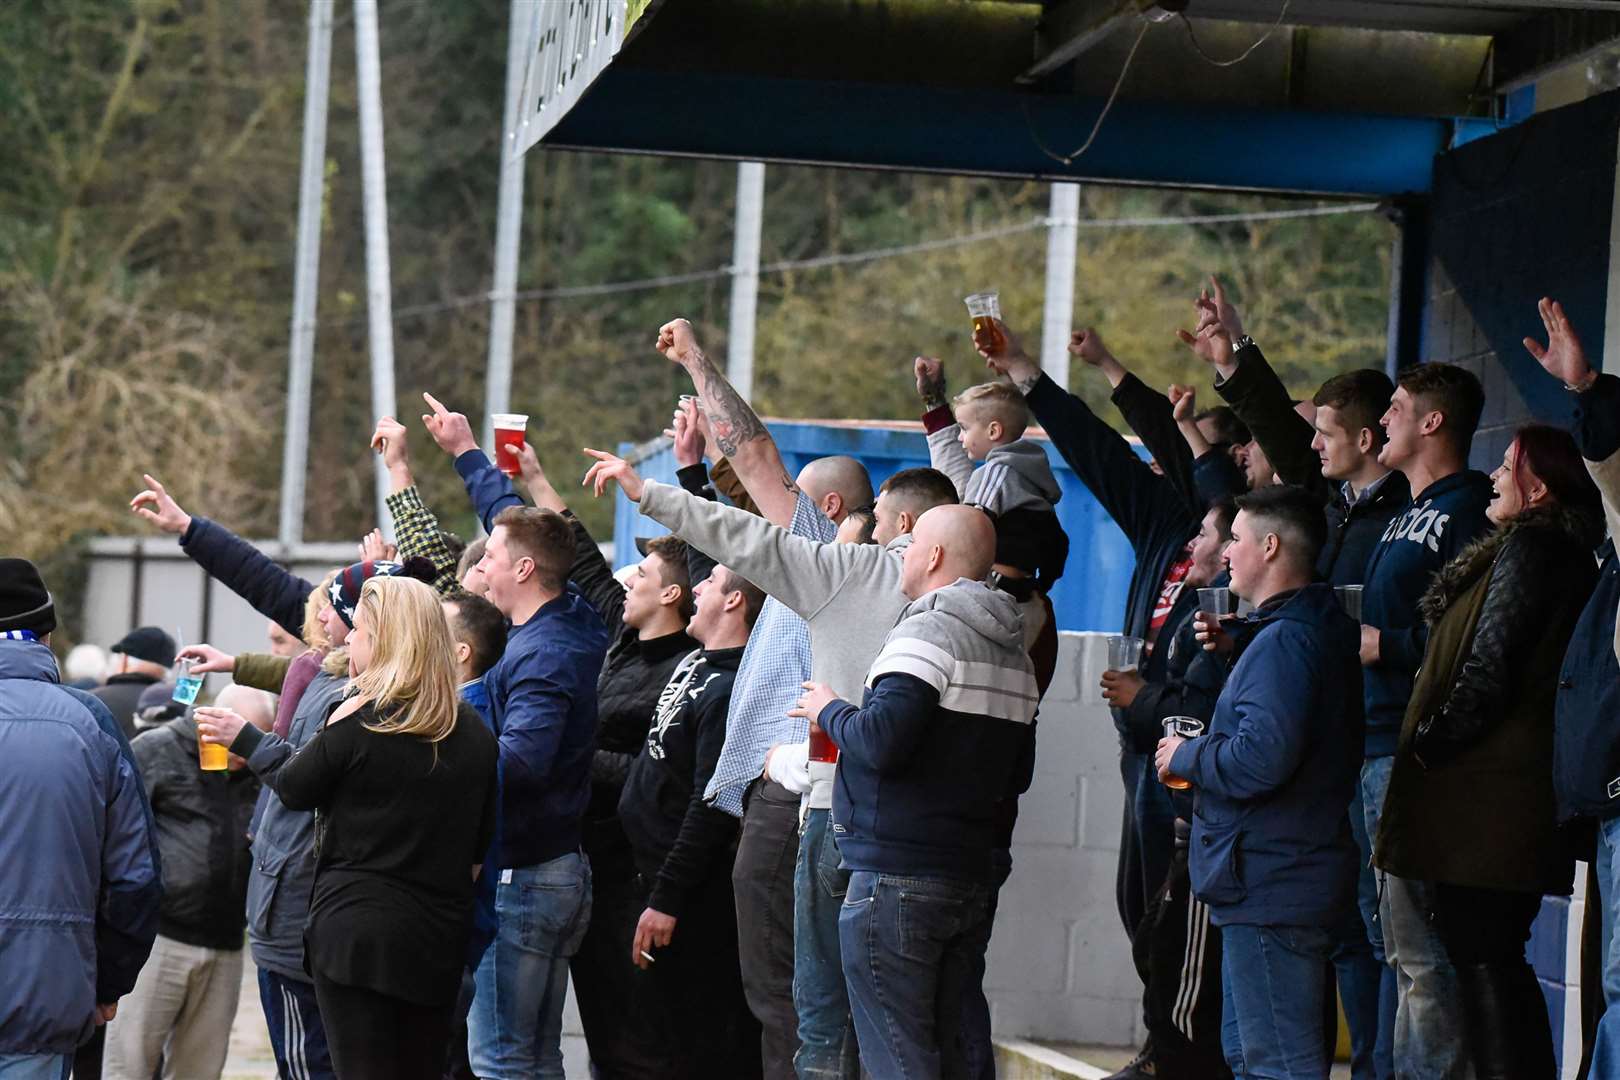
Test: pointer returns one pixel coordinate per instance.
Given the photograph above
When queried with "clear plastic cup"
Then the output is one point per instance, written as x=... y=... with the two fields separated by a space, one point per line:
x=984 y=309
x=1215 y=602
x=1183 y=727
x=510 y=430
x=1124 y=652
x=1349 y=599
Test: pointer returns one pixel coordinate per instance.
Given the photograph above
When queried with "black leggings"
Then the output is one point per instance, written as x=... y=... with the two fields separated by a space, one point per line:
x=1484 y=926
x=374 y=1036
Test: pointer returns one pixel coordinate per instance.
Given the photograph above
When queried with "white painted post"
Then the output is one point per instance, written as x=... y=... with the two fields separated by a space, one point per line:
x=306 y=273
x=374 y=181
x=1062 y=234
x=508 y=231
x=745 y=276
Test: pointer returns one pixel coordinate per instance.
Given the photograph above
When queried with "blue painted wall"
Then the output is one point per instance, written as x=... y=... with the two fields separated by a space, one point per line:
x=1089 y=596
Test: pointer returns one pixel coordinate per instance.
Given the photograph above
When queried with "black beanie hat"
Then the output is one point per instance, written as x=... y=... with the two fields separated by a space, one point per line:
x=25 y=603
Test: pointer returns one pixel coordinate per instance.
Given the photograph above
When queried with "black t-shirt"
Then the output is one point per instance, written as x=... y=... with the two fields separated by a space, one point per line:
x=400 y=822
x=678 y=839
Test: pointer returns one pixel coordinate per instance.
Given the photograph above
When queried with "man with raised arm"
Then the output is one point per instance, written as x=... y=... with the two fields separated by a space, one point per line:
x=849 y=594
x=775 y=664
x=1336 y=458
x=1161 y=524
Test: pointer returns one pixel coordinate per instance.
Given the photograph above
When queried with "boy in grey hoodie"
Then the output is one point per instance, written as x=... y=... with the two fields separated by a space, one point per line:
x=944 y=733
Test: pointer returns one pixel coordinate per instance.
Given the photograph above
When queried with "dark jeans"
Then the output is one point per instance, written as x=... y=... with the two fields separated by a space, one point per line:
x=762 y=883
x=910 y=948
x=378 y=1037
x=297 y=1036
x=698 y=990
x=1366 y=983
x=978 y=1053
x=87 y=1058
x=613 y=995
x=826 y=1033
x=1146 y=839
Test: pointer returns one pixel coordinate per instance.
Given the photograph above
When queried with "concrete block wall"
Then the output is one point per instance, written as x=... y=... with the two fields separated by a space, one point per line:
x=1060 y=965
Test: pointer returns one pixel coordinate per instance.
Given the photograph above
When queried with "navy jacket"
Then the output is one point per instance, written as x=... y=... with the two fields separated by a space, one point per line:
x=542 y=695
x=1271 y=844
x=1586 y=751
x=80 y=877
x=1156 y=518
x=1437 y=524
x=484 y=922
x=249 y=573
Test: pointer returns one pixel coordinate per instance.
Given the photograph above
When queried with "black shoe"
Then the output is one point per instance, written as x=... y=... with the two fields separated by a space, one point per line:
x=1509 y=1036
x=1140 y=1068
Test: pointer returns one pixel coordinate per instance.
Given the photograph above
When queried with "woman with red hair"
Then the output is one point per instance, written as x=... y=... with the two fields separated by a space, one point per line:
x=1471 y=805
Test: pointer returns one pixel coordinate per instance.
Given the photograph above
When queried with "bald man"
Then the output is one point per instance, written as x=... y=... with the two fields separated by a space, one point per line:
x=942 y=735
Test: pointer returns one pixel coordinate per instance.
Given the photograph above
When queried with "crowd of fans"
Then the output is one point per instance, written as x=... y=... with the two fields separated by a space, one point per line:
x=755 y=796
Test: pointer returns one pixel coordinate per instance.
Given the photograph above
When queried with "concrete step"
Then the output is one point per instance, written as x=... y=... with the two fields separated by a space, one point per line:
x=1024 y=1059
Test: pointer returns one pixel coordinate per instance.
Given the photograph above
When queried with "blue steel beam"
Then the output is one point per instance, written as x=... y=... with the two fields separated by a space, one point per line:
x=997 y=133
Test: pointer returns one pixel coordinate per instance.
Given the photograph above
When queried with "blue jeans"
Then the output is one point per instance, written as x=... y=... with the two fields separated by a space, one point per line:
x=826 y=1033
x=35 y=1066
x=1273 y=988
x=1606 y=1045
x=514 y=1030
x=910 y=946
x=1366 y=982
x=1430 y=1042
x=978 y=1052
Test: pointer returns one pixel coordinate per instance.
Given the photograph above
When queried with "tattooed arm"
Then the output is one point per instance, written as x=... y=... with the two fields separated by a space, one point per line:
x=738 y=432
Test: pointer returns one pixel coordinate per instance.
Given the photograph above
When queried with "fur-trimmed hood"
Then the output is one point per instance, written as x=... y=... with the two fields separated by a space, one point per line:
x=1453 y=579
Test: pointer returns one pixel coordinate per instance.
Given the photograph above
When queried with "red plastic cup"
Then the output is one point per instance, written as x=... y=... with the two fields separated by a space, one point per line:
x=822 y=747
x=510 y=429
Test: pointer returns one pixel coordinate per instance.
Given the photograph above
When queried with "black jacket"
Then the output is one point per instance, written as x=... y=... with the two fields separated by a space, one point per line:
x=680 y=841
x=1471 y=791
x=1156 y=518
x=202 y=831
x=1586 y=756
x=626 y=690
x=1200 y=481
x=1261 y=402
x=121 y=694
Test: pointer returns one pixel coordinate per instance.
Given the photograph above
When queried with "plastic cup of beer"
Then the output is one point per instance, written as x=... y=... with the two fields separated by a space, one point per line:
x=1181 y=727
x=984 y=309
x=822 y=748
x=1124 y=652
x=1349 y=599
x=1216 y=602
x=187 y=686
x=510 y=429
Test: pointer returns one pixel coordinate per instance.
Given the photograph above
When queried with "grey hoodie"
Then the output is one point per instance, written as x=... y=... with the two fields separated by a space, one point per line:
x=1015 y=476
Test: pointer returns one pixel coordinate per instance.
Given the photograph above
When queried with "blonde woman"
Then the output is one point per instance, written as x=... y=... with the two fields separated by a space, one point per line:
x=402 y=779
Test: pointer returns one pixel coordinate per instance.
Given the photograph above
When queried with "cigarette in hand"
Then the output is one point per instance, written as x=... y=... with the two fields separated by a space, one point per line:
x=649 y=957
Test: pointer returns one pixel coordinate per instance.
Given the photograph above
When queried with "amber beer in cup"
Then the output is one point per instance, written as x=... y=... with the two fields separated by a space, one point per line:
x=822 y=748
x=1185 y=727
x=210 y=757
x=509 y=435
x=984 y=309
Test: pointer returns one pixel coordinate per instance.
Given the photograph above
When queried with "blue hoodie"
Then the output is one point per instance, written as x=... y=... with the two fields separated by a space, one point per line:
x=80 y=881
x=1439 y=522
x=1271 y=843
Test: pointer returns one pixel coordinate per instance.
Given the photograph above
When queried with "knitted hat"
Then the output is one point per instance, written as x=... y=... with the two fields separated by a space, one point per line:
x=147 y=643
x=25 y=603
x=344 y=591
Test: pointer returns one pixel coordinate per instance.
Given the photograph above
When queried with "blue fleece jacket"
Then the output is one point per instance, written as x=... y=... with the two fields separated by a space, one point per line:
x=1438 y=523
x=1586 y=748
x=1271 y=844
